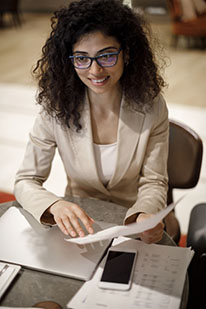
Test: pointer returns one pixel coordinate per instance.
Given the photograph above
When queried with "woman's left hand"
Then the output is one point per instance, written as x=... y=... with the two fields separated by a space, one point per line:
x=153 y=235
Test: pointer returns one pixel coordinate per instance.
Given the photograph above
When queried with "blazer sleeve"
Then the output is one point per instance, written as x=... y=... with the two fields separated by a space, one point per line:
x=35 y=169
x=152 y=184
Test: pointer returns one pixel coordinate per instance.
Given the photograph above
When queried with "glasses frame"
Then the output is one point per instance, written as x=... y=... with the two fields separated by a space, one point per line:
x=96 y=59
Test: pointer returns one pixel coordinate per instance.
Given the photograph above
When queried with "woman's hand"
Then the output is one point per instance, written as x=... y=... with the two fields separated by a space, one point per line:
x=67 y=216
x=153 y=235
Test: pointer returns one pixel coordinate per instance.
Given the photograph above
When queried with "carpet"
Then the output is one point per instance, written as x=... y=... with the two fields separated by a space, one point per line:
x=183 y=241
x=6 y=197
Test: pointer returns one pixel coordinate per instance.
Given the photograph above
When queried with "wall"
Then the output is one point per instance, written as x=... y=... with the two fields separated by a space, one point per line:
x=145 y=3
x=41 y=5
x=52 y=5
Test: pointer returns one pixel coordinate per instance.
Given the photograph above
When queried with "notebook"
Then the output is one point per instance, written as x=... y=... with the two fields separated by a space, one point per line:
x=25 y=242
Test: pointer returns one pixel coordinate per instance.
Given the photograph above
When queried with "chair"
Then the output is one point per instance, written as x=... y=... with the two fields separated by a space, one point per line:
x=11 y=7
x=196 y=238
x=192 y=27
x=184 y=164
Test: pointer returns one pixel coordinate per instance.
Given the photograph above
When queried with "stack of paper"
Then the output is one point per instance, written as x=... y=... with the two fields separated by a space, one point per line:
x=7 y=274
x=158 y=280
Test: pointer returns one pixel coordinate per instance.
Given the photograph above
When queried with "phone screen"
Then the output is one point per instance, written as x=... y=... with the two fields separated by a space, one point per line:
x=118 y=267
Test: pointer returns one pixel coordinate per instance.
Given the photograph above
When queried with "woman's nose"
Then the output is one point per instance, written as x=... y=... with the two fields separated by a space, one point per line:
x=95 y=67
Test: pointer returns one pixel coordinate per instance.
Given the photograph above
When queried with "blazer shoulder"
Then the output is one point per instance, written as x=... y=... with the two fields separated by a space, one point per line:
x=44 y=126
x=156 y=105
x=160 y=107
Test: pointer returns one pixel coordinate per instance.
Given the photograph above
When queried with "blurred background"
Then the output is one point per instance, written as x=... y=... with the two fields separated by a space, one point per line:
x=24 y=27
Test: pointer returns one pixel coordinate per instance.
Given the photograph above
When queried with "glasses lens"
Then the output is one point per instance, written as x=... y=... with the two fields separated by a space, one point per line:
x=81 y=62
x=107 y=60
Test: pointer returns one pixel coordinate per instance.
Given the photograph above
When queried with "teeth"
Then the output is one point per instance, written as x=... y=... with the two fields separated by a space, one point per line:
x=99 y=80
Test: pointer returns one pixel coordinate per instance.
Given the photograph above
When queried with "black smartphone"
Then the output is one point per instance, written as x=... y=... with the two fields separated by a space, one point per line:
x=118 y=269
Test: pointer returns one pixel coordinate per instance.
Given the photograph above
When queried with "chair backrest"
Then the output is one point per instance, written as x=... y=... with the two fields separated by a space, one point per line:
x=9 y=5
x=196 y=238
x=185 y=157
x=175 y=9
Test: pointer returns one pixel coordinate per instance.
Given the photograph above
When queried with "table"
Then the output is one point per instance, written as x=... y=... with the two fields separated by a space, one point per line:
x=31 y=286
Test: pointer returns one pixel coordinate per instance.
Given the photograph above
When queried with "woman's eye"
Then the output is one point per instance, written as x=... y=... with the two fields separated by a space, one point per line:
x=106 y=57
x=81 y=59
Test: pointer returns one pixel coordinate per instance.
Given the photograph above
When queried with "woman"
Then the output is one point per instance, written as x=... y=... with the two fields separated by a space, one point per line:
x=102 y=108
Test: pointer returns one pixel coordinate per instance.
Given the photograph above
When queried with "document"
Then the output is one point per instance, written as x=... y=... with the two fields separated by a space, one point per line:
x=124 y=230
x=7 y=274
x=158 y=280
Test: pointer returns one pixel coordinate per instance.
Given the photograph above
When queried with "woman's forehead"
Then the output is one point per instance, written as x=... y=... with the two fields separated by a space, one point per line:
x=95 y=41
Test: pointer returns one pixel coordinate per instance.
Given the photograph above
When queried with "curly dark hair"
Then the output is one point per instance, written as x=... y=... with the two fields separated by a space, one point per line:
x=61 y=92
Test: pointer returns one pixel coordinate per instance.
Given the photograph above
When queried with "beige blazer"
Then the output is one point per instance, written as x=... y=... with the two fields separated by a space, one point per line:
x=139 y=181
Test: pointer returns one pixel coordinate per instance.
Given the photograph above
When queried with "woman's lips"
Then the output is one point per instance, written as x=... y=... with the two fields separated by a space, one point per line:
x=99 y=81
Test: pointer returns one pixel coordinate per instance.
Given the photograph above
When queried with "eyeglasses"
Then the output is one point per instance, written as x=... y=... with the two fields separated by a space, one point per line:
x=105 y=60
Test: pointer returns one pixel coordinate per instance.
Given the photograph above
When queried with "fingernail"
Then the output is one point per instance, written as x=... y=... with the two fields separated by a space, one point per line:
x=81 y=234
x=90 y=230
x=73 y=234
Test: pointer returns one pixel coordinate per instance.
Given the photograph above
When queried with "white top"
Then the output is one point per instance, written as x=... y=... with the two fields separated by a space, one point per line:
x=105 y=159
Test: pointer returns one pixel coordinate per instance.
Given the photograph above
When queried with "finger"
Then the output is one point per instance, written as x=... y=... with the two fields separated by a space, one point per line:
x=88 y=226
x=76 y=225
x=91 y=219
x=147 y=240
x=85 y=219
x=65 y=226
x=157 y=228
x=60 y=224
x=68 y=226
x=68 y=221
x=153 y=238
x=153 y=235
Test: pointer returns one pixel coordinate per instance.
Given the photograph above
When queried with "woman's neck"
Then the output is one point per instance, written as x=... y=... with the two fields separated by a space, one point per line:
x=105 y=109
x=106 y=102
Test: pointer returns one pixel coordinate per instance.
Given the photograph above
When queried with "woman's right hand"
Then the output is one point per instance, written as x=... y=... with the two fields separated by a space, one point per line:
x=67 y=216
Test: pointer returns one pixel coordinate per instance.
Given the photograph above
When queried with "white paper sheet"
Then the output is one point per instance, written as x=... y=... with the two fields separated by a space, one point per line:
x=124 y=230
x=158 y=280
x=7 y=276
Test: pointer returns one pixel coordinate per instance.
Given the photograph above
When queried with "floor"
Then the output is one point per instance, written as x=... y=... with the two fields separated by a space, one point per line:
x=20 y=48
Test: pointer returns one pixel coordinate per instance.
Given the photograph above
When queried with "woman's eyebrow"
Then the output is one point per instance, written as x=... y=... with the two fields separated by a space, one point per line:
x=80 y=52
x=104 y=49
x=99 y=51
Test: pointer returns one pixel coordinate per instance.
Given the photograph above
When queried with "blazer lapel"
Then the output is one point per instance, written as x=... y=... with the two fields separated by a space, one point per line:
x=129 y=129
x=82 y=143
